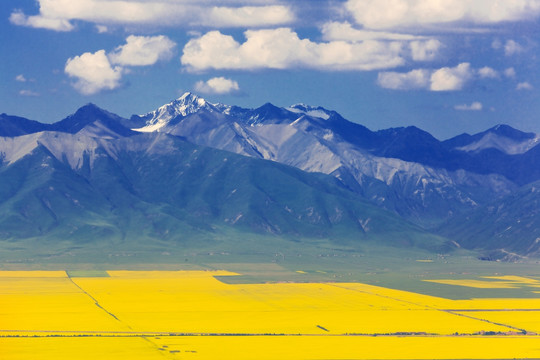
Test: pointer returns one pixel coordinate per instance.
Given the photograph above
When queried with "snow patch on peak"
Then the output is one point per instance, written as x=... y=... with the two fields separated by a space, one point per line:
x=223 y=108
x=191 y=101
x=187 y=95
x=151 y=127
x=185 y=105
x=300 y=107
x=312 y=111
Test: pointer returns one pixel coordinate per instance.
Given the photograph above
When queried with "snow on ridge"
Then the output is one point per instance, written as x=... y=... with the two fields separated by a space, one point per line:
x=504 y=144
x=71 y=147
x=185 y=105
x=223 y=108
x=302 y=145
x=151 y=128
x=190 y=103
x=301 y=108
x=14 y=148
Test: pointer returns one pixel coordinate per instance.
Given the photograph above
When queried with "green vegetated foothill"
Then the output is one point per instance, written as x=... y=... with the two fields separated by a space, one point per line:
x=156 y=191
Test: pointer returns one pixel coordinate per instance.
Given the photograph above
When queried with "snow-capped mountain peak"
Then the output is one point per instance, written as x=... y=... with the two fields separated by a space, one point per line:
x=190 y=102
x=185 y=105
x=313 y=111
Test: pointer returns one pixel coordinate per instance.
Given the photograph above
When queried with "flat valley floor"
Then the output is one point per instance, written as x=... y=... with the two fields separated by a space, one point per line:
x=213 y=314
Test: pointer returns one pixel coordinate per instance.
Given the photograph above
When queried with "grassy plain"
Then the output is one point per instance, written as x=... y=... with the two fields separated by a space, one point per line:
x=194 y=314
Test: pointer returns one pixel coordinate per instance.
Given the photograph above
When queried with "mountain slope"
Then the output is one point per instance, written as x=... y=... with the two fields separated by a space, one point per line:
x=15 y=126
x=157 y=187
x=163 y=183
x=507 y=228
x=42 y=196
x=404 y=170
x=501 y=137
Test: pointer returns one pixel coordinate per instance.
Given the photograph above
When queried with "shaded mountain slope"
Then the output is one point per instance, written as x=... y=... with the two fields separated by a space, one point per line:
x=156 y=187
x=15 y=126
x=404 y=170
x=506 y=228
x=163 y=177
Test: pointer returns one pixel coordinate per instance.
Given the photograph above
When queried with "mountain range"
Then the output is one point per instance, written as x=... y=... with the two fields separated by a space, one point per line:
x=192 y=167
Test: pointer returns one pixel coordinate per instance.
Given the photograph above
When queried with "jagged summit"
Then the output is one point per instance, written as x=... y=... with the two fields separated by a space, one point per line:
x=185 y=105
x=190 y=103
x=189 y=99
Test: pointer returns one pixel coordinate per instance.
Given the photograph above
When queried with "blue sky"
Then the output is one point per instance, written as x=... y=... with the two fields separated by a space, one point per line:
x=446 y=66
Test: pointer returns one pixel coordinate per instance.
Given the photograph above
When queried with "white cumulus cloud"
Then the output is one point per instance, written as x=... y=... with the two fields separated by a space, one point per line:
x=444 y=79
x=20 y=78
x=512 y=48
x=93 y=72
x=251 y=16
x=217 y=85
x=102 y=29
x=40 y=22
x=425 y=50
x=143 y=50
x=524 y=86
x=488 y=73
x=282 y=48
x=475 y=106
x=28 y=93
x=385 y=14
x=510 y=73
x=451 y=79
x=421 y=48
x=58 y=14
x=415 y=79
x=333 y=31
x=99 y=71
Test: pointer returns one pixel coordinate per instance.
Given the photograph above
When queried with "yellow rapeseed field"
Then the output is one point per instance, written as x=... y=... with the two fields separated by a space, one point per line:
x=528 y=320
x=78 y=348
x=478 y=284
x=495 y=282
x=516 y=279
x=190 y=314
x=45 y=301
x=351 y=347
x=270 y=348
